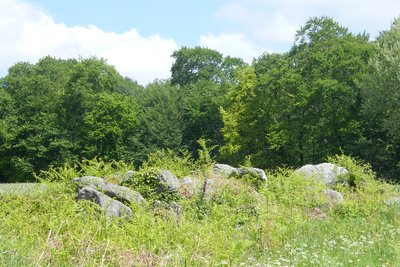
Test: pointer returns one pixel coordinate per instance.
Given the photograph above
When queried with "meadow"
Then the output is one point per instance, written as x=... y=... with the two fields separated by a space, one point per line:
x=243 y=224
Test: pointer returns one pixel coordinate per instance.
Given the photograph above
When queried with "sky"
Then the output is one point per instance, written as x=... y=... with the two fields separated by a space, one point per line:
x=139 y=36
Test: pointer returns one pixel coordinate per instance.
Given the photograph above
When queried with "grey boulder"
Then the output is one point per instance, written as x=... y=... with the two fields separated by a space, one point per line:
x=326 y=172
x=123 y=177
x=88 y=180
x=120 y=193
x=225 y=170
x=393 y=201
x=332 y=197
x=189 y=186
x=111 y=207
x=229 y=171
x=259 y=173
x=167 y=181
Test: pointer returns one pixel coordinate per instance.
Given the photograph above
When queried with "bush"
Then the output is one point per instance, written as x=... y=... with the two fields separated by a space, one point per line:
x=180 y=163
x=146 y=183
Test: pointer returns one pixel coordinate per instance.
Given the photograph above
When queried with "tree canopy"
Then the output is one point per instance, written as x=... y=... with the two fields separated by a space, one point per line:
x=333 y=92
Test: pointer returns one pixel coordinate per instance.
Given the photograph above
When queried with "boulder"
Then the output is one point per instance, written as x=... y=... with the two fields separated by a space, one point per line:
x=326 y=172
x=177 y=208
x=123 y=177
x=121 y=193
x=167 y=182
x=332 y=197
x=392 y=201
x=325 y=198
x=111 y=207
x=189 y=186
x=129 y=175
x=88 y=180
x=259 y=173
x=225 y=170
x=229 y=171
x=163 y=208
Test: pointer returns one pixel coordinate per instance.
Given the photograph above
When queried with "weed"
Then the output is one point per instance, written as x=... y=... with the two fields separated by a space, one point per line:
x=284 y=224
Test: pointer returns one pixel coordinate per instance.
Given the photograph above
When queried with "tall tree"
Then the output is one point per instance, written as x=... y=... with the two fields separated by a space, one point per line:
x=34 y=139
x=160 y=118
x=192 y=65
x=301 y=106
x=200 y=105
x=381 y=105
x=97 y=117
x=58 y=111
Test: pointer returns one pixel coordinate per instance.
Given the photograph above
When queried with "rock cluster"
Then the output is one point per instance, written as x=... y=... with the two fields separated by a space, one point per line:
x=113 y=199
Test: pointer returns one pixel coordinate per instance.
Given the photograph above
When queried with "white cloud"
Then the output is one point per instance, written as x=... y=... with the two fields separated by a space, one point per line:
x=274 y=22
x=28 y=33
x=233 y=44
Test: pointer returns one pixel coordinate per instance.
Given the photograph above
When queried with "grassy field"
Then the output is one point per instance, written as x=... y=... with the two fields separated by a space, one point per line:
x=285 y=224
x=22 y=188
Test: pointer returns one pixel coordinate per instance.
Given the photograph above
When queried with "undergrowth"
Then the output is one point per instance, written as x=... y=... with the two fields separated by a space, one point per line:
x=287 y=223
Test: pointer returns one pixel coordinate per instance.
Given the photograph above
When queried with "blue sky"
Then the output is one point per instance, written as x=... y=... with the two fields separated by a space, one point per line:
x=179 y=19
x=138 y=37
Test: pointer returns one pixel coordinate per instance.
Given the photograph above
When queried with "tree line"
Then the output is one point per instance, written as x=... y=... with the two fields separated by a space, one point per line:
x=333 y=92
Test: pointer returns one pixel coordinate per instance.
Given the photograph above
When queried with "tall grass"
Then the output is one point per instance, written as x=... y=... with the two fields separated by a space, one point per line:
x=285 y=224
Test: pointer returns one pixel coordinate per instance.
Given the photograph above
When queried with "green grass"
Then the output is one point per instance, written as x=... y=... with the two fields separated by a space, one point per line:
x=22 y=188
x=284 y=224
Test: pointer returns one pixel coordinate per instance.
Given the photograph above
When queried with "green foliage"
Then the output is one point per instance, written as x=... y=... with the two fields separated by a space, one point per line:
x=93 y=167
x=145 y=182
x=253 y=179
x=333 y=91
x=111 y=123
x=283 y=225
x=381 y=108
x=34 y=138
x=181 y=163
x=160 y=119
x=332 y=62
x=205 y=160
x=203 y=75
x=236 y=126
x=362 y=179
x=58 y=111
x=302 y=106
x=202 y=64
x=200 y=113
x=293 y=190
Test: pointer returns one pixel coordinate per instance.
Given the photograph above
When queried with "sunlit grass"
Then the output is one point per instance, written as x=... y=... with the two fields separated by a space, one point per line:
x=283 y=225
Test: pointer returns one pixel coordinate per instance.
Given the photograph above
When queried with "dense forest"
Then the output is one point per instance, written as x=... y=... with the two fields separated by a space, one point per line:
x=333 y=92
